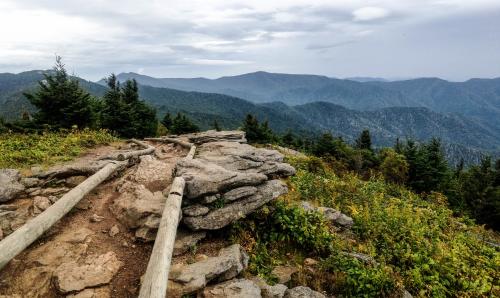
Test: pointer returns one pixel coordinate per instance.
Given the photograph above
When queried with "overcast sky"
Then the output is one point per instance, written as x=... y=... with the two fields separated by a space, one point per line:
x=452 y=39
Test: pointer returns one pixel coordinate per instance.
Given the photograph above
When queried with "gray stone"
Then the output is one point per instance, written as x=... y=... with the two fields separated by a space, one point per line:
x=10 y=186
x=185 y=240
x=186 y=279
x=214 y=136
x=303 y=292
x=96 y=218
x=220 y=218
x=334 y=216
x=239 y=193
x=245 y=158
x=54 y=191
x=267 y=291
x=30 y=182
x=203 y=178
x=71 y=276
x=235 y=288
x=195 y=210
x=209 y=199
x=74 y=181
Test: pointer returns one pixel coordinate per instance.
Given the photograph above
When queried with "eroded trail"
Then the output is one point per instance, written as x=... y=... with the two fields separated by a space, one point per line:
x=100 y=248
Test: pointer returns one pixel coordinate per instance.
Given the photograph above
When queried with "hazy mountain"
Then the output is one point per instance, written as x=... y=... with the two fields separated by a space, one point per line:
x=478 y=98
x=465 y=137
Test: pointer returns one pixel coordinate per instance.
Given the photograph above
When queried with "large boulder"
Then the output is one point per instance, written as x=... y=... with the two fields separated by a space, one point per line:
x=235 y=288
x=245 y=158
x=153 y=173
x=219 y=218
x=10 y=184
x=204 y=178
x=186 y=279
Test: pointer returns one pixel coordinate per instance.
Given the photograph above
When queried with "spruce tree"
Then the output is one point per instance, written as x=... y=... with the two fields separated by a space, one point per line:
x=60 y=100
x=167 y=120
x=364 y=140
x=215 y=125
x=181 y=124
x=251 y=128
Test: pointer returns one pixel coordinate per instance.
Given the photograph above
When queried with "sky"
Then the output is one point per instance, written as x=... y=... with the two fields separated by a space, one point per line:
x=451 y=39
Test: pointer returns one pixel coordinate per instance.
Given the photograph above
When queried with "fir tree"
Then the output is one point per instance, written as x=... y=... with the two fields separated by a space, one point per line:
x=364 y=140
x=181 y=124
x=167 y=120
x=215 y=125
x=60 y=100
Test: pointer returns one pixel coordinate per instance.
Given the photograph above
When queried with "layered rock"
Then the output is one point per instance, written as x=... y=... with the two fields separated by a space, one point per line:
x=229 y=180
x=214 y=136
x=10 y=184
x=187 y=279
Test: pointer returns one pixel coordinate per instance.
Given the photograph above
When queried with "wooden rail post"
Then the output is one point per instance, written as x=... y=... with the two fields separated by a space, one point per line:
x=155 y=280
x=21 y=238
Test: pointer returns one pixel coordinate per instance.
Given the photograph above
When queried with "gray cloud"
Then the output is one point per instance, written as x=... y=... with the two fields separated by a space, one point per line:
x=390 y=38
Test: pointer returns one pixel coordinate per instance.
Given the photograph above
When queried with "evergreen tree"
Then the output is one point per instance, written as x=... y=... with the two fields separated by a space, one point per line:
x=167 y=120
x=60 y=100
x=181 y=124
x=124 y=113
x=215 y=125
x=251 y=128
x=364 y=140
x=394 y=166
x=288 y=139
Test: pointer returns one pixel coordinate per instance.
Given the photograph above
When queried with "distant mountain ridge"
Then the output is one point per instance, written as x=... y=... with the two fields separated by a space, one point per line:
x=477 y=98
x=463 y=136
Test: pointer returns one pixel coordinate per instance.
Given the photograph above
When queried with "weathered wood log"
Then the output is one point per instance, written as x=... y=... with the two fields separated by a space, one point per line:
x=73 y=170
x=155 y=280
x=126 y=155
x=16 y=242
x=191 y=153
x=171 y=140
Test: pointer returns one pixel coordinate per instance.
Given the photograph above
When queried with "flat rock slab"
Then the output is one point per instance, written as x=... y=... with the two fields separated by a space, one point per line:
x=96 y=271
x=245 y=158
x=186 y=240
x=222 y=217
x=187 y=279
x=214 y=136
x=204 y=178
x=236 y=288
x=10 y=185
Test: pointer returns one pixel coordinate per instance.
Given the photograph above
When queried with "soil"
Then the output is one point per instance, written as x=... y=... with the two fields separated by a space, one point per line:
x=133 y=254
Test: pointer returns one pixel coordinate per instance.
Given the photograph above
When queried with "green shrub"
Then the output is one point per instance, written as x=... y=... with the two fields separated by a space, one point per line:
x=24 y=150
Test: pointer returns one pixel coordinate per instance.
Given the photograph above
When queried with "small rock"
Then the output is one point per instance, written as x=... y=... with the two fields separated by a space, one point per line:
x=102 y=292
x=125 y=243
x=267 y=291
x=336 y=217
x=53 y=199
x=303 y=292
x=236 y=288
x=34 y=191
x=310 y=262
x=84 y=204
x=96 y=271
x=40 y=204
x=200 y=257
x=30 y=182
x=209 y=199
x=75 y=180
x=185 y=240
x=96 y=218
x=77 y=236
x=10 y=187
x=195 y=210
x=114 y=231
x=284 y=273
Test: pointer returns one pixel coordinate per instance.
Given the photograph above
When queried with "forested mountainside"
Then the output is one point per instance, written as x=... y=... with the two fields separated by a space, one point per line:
x=478 y=98
x=463 y=137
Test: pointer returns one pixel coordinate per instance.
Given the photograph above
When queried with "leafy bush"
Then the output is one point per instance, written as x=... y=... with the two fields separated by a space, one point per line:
x=23 y=150
x=419 y=240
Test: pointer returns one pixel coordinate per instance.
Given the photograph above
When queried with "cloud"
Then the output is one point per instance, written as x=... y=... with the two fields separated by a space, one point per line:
x=369 y=13
x=222 y=37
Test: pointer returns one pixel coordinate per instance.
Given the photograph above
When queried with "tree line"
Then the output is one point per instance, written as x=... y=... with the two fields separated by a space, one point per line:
x=420 y=166
x=63 y=104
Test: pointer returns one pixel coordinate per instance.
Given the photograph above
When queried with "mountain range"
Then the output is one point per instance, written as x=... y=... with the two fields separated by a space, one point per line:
x=464 y=115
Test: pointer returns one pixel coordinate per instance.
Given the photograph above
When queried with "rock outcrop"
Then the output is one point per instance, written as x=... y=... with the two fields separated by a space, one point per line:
x=186 y=279
x=214 y=136
x=10 y=185
x=235 y=288
x=228 y=180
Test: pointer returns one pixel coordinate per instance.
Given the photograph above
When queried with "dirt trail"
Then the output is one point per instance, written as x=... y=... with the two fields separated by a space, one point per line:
x=88 y=233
